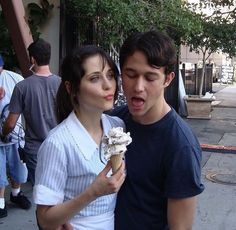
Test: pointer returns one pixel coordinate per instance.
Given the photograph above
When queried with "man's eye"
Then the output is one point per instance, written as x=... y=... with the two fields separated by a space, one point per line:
x=150 y=78
x=130 y=75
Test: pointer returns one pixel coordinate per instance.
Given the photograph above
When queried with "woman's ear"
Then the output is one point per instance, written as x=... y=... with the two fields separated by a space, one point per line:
x=68 y=87
x=169 y=78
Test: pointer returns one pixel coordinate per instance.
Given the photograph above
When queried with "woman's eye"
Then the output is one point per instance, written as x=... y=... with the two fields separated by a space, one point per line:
x=110 y=76
x=94 y=78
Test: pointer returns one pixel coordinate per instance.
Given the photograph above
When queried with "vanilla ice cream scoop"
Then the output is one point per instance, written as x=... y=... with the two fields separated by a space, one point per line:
x=115 y=146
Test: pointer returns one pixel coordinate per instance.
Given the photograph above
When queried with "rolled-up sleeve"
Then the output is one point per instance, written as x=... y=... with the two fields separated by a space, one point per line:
x=51 y=173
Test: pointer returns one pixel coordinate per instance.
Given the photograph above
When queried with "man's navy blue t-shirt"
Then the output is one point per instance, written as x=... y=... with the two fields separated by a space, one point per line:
x=163 y=161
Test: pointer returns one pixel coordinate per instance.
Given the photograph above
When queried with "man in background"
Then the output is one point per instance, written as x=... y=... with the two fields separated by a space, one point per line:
x=9 y=155
x=35 y=98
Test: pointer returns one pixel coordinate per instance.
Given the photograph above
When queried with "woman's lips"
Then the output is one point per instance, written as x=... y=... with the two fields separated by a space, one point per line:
x=109 y=97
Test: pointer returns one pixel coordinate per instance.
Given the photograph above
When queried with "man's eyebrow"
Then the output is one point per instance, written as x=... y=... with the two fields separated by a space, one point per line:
x=129 y=69
x=156 y=67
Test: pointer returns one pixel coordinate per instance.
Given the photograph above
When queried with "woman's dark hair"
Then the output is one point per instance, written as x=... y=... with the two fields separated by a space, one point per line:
x=156 y=46
x=72 y=71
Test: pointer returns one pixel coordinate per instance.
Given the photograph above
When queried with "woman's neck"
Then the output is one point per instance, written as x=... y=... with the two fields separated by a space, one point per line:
x=92 y=123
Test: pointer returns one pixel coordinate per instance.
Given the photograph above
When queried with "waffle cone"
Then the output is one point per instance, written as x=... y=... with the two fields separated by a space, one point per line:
x=116 y=161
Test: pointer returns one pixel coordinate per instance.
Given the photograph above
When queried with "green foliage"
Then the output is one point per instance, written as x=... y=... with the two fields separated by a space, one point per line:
x=6 y=46
x=113 y=20
x=38 y=15
x=218 y=30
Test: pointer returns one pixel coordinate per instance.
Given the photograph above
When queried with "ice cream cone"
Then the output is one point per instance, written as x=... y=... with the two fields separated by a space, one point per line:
x=116 y=161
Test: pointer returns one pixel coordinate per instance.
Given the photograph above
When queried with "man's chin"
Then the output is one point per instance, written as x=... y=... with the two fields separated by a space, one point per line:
x=136 y=112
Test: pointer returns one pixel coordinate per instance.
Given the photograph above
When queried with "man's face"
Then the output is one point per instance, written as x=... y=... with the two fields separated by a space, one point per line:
x=144 y=88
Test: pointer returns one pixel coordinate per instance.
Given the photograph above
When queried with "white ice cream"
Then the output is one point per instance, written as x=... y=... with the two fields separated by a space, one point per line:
x=115 y=142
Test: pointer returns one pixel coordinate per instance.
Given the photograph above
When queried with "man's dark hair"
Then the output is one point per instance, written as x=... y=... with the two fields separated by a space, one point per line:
x=156 y=46
x=40 y=50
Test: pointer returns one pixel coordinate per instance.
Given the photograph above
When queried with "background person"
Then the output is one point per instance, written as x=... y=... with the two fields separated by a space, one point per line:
x=70 y=167
x=163 y=160
x=35 y=98
x=9 y=155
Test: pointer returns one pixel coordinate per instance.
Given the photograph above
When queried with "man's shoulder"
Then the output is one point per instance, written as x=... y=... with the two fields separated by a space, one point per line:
x=180 y=132
x=120 y=111
x=55 y=76
x=15 y=76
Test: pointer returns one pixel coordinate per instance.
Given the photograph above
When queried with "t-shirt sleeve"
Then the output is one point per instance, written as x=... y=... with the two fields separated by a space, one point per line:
x=51 y=174
x=16 y=102
x=183 y=177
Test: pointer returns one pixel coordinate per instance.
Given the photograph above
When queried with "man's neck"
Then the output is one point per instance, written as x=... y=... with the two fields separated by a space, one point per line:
x=43 y=71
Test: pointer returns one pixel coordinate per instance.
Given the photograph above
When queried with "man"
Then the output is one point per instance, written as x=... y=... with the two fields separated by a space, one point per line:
x=163 y=160
x=9 y=155
x=35 y=98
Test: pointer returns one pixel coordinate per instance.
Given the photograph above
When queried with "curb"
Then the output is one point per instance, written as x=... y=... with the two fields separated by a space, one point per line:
x=218 y=148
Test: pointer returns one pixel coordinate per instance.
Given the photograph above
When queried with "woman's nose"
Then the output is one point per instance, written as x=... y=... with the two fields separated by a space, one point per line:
x=107 y=84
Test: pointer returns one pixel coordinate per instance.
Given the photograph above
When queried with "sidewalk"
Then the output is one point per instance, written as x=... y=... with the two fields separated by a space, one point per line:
x=221 y=128
x=19 y=219
x=217 y=204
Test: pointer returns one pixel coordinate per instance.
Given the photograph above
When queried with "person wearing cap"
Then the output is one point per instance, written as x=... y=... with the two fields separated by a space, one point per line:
x=9 y=155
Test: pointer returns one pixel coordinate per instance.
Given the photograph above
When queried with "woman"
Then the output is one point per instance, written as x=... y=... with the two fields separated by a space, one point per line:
x=72 y=184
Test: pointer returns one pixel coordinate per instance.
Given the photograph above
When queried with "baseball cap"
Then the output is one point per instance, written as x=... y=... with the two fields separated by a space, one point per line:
x=1 y=61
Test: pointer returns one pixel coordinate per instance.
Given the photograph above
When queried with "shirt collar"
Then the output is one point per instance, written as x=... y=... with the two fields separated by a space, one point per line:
x=84 y=142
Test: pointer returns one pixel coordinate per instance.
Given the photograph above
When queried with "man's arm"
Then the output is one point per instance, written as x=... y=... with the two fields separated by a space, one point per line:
x=10 y=123
x=181 y=213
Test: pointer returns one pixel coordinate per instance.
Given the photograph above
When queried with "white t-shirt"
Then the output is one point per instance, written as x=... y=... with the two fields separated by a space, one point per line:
x=68 y=162
x=8 y=80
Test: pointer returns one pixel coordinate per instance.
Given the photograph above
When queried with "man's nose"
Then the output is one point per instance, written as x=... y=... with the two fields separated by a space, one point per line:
x=139 y=84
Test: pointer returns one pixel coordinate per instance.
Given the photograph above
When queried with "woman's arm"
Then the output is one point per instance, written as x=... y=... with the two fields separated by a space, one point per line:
x=51 y=217
x=181 y=213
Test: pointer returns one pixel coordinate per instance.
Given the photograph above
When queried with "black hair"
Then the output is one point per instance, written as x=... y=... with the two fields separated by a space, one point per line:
x=156 y=46
x=40 y=50
x=72 y=70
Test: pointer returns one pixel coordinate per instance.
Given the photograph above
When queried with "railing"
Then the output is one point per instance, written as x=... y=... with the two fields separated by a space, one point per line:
x=191 y=79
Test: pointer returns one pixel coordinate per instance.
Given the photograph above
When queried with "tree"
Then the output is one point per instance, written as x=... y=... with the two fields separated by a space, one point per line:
x=6 y=46
x=186 y=23
x=218 y=30
x=114 y=20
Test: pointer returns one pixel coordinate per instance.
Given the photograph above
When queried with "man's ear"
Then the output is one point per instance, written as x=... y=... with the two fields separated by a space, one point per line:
x=68 y=87
x=32 y=60
x=169 y=78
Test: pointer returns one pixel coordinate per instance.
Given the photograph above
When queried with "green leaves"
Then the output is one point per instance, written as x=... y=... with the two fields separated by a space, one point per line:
x=113 y=20
x=38 y=15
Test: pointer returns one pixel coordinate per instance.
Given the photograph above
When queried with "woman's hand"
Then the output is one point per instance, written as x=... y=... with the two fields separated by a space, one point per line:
x=55 y=217
x=104 y=185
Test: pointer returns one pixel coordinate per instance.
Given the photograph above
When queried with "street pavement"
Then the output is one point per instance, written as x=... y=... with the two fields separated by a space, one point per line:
x=216 y=208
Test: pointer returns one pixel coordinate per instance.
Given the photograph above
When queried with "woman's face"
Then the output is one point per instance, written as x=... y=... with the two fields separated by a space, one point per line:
x=97 y=86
